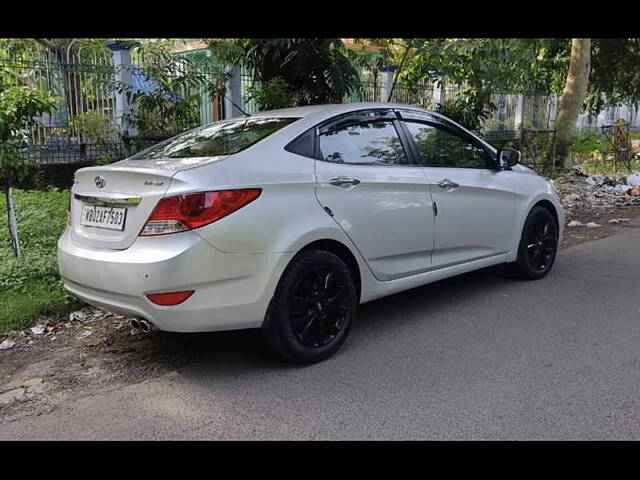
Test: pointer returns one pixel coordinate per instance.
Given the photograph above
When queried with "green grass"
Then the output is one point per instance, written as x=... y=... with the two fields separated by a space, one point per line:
x=20 y=308
x=30 y=285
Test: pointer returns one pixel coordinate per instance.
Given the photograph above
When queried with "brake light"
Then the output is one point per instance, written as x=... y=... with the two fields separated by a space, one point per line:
x=194 y=210
x=169 y=298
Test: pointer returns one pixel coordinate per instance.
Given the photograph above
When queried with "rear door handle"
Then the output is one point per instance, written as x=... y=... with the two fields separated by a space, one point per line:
x=448 y=184
x=344 y=181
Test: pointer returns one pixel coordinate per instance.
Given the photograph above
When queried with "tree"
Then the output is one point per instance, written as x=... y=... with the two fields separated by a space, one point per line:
x=172 y=104
x=481 y=67
x=18 y=107
x=572 y=99
x=315 y=70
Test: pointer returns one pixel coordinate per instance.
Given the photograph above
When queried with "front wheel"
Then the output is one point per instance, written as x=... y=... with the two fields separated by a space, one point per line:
x=538 y=245
x=312 y=310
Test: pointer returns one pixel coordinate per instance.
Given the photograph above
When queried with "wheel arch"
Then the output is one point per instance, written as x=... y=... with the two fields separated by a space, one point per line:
x=552 y=209
x=344 y=253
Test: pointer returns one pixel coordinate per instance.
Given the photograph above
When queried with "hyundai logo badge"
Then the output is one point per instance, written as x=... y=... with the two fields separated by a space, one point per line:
x=100 y=181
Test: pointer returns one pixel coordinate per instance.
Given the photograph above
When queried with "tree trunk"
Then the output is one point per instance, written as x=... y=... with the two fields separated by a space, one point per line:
x=13 y=224
x=572 y=99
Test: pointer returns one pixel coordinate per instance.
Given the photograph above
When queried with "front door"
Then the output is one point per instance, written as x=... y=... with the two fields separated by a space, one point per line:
x=475 y=202
x=377 y=196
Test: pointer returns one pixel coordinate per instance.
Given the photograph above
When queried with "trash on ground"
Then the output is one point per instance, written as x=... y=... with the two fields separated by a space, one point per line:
x=38 y=329
x=634 y=179
x=7 y=344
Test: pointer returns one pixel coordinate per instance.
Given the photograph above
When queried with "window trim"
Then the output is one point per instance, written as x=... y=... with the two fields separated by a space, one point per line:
x=450 y=129
x=362 y=118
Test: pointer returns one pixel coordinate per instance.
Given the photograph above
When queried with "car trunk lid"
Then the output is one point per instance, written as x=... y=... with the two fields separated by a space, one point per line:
x=122 y=191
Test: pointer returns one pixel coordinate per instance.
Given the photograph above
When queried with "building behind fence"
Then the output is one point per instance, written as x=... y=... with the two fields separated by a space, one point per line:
x=86 y=85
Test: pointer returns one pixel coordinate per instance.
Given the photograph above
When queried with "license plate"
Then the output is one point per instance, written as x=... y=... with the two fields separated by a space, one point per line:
x=103 y=217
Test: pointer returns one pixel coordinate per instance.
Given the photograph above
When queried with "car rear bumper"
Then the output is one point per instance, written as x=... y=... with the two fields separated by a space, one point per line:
x=232 y=291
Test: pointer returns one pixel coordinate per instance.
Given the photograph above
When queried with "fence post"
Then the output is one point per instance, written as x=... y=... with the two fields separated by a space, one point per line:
x=438 y=91
x=233 y=93
x=553 y=111
x=124 y=76
x=386 y=80
x=519 y=112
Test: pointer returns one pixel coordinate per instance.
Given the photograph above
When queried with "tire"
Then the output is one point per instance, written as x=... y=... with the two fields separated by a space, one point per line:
x=538 y=245
x=312 y=309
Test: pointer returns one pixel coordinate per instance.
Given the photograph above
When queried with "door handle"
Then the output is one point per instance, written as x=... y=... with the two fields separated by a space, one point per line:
x=448 y=184
x=344 y=181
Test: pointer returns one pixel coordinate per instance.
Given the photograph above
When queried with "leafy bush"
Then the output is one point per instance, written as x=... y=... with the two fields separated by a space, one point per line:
x=467 y=111
x=586 y=145
x=96 y=127
x=272 y=94
x=42 y=216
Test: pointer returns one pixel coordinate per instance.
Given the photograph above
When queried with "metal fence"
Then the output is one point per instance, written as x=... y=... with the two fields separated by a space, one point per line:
x=83 y=81
x=84 y=127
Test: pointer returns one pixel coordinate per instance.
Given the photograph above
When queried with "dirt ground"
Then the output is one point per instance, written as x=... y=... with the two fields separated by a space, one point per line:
x=93 y=351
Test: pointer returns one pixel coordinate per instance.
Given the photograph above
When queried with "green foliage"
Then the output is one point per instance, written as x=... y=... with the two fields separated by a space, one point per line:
x=173 y=105
x=96 y=128
x=18 y=108
x=42 y=216
x=30 y=285
x=480 y=66
x=317 y=69
x=587 y=145
x=272 y=94
x=467 y=111
x=21 y=309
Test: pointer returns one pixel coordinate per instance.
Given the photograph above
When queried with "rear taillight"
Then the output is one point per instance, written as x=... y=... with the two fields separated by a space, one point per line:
x=193 y=210
x=69 y=212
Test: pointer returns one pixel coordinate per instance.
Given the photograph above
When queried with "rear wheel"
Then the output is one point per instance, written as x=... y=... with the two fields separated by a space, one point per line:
x=538 y=245
x=312 y=310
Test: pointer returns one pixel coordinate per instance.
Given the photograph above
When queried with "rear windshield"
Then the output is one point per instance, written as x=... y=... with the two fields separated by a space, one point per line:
x=220 y=138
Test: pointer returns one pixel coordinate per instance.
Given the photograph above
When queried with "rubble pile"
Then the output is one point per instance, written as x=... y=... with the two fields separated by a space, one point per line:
x=582 y=194
x=87 y=321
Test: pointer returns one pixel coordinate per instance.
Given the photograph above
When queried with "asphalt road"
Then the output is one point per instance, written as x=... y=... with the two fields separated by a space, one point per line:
x=474 y=357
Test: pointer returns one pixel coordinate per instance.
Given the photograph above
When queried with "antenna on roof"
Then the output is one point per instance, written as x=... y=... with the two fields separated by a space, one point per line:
x=244 y=114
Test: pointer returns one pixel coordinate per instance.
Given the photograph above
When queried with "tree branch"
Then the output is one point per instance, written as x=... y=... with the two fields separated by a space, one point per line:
x=46 y=43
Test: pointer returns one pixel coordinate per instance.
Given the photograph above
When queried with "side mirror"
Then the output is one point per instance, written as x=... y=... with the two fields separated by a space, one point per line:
x=508 y=157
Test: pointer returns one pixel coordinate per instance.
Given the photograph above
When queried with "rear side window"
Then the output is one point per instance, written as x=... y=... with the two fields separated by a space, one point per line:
x=364 y=143
x=220 y=138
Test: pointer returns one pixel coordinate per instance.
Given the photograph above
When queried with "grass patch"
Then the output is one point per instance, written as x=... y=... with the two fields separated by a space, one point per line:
x=587 y=151
x=30 y=285
x=20 y=308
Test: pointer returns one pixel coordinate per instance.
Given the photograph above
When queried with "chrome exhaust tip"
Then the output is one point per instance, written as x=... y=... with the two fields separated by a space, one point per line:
x=135 y=324
x=145 y=326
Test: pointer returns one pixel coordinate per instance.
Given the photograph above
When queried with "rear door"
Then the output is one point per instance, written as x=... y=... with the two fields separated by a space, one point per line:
x=366 y=180
x=475 y=201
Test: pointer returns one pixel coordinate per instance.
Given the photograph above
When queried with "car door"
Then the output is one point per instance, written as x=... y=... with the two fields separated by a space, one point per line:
x=381 y=200
x=475 y=201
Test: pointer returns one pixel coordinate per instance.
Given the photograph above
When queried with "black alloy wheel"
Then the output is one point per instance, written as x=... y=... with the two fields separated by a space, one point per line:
x=313 y=308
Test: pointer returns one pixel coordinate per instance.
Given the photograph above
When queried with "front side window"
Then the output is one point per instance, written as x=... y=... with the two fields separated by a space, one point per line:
x=439 y=148
x=219 y=138
x=365 y=143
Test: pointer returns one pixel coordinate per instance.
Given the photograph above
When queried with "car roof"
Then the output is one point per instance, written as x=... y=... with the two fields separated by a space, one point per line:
x=333 y=109
x=314 y=114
